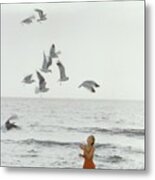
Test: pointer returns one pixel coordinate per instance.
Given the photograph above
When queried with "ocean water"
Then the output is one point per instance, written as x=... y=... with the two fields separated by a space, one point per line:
x=52 y=129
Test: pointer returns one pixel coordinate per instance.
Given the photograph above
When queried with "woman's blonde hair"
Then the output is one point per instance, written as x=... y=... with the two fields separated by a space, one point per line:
x=93 y=138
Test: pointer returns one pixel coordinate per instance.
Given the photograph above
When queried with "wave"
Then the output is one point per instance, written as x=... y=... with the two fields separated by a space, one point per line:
x=46 y=142
x=110 y=159
x=29 y=155
x=114 y=131
x=49 y=143
x=54 y=143
x=115 y=159
x=128 y=132
x=57 y=143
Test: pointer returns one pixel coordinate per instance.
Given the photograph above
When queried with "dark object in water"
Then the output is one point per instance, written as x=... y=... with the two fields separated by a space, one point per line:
x=10 y=125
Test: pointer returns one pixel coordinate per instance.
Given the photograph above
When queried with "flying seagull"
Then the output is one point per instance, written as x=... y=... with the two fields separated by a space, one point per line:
x=9 y=125
x=90 y=85
x=28 y=79
x=28 y=20
x=53 y=53
x=46 y=64
x=42 y=16
x=63 y=76
x=42 y=84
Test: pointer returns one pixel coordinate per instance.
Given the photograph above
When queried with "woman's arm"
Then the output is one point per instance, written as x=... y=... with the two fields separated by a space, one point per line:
x=82 y=146
x=81 y=155
x=90 y=154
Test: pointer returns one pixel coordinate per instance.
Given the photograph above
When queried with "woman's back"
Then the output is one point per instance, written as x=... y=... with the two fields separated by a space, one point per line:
x=88 y=162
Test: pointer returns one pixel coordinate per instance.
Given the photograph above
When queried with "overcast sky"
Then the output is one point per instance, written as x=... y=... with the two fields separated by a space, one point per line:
x=101 y=41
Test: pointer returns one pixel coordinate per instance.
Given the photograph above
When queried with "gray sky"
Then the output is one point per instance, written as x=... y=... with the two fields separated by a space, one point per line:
x=101 y=41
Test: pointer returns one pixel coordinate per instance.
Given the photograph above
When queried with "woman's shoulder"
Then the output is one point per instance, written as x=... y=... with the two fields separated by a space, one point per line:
x=88 y=148
x=92 y=149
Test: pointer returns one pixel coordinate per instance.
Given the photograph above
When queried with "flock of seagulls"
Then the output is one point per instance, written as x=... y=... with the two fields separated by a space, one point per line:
x=46 y=68
x=46 y=64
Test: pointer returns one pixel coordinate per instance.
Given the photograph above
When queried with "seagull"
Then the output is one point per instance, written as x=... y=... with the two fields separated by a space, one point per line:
x=63 y=76
x=9 y=125
x=52 y=52
x=42 y=16
x=46 y=63
x=42 y=84
x=28 y=79
x=28 y=20
x=90 y=85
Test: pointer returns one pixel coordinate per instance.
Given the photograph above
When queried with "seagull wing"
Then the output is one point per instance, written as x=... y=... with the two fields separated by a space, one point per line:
x=93 y=83
x=27 y=78
x=49 y=63
x=88 y=86
x=61 y=70
x=52 y=50
x=44 y=65
x=42 y=82
x=40 y=77
x=40 y=12
x=27 y=21
x=12 y=117
x=80 y=85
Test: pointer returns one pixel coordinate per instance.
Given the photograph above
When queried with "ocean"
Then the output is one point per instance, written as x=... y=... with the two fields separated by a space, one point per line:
x=52 y=130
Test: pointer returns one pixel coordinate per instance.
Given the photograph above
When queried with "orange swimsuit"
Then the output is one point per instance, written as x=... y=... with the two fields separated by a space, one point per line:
x=88 y=163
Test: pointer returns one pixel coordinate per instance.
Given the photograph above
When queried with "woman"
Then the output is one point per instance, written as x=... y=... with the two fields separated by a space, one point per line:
x=88 y=153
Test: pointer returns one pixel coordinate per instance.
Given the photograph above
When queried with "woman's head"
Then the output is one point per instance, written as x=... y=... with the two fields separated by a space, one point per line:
x=91 y=140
